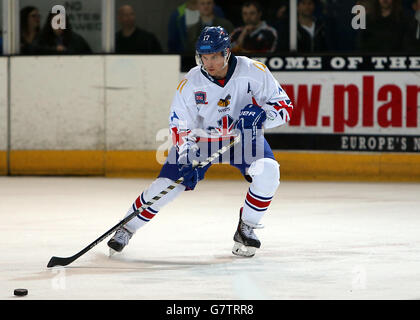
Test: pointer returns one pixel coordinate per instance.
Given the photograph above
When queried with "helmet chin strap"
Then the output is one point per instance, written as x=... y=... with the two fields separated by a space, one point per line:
x=227 y=56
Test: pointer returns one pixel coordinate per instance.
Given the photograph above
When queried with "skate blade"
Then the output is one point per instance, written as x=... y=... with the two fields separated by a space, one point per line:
x=112 y=252
x=240 y=250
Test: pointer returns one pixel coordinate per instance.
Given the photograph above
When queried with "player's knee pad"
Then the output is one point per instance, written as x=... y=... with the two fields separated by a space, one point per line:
x=265 y=175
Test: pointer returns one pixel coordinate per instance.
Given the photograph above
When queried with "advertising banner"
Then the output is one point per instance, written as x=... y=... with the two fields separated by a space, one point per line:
x=349 y=103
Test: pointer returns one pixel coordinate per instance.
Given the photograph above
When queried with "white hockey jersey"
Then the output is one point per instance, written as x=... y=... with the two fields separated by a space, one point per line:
x=201 y=104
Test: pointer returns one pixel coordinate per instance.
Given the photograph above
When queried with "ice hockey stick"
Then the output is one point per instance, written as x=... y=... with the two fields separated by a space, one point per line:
x=61 y=261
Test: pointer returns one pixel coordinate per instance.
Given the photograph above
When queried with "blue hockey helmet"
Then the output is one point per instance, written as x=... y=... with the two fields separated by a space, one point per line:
x=212 y=40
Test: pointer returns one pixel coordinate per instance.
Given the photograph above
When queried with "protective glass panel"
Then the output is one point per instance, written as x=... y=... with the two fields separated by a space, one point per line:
x=142 y=26
x=316 y=26
x=387 y=26
x=41 y=30
x=258 y=27
x=1 y=27
x=358 y=26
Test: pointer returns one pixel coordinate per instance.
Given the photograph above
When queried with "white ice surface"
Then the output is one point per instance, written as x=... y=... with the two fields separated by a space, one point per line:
x=321 y=241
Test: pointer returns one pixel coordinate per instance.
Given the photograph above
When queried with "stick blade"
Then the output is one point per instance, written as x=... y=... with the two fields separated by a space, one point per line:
x=57 y=261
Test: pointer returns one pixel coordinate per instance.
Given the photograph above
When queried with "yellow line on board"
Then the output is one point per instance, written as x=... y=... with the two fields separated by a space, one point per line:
x=3 y=163
x=57 y=162
x=293 y=165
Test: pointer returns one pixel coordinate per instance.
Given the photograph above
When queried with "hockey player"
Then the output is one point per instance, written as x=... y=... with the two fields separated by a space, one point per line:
x=220 y=97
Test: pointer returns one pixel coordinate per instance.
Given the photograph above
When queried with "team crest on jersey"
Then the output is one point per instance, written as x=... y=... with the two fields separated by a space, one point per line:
x=224 y=102
x=200 y=97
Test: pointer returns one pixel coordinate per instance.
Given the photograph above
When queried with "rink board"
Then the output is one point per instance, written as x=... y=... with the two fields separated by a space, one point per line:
x=75 y=124
x=293 y=165
x=57 y=103
x=3 y=116
x=57 y=162
x=107 y=116
x=139 y=92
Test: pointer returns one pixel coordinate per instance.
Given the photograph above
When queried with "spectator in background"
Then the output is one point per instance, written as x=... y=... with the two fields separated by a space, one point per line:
x=278 y=18
x=30 y=26
x=368 y=4
x=276 y=10
x=416 y=8
x=1 y=45
x=207 y=18
x=310 y=30
x=183 y=17
x=180 y=20
x=255 y=36
x=388 y=29
x=131 y=39
x=60 y=41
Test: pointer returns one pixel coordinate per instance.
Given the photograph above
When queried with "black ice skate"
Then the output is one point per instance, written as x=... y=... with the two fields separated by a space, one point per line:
x=119 y=240
x=246 y=242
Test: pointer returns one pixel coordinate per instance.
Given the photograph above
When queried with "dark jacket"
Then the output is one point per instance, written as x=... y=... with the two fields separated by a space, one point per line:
x=29 y=48
x=261 y=40
x=140 y=41
x=387 y=35
x=416 y=31
x=305 y=43
x=74 y=43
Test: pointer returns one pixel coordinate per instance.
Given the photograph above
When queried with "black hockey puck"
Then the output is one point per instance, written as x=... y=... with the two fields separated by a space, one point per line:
x=21 y=292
